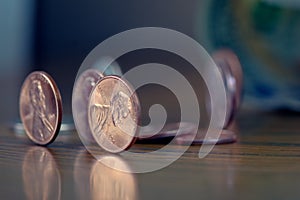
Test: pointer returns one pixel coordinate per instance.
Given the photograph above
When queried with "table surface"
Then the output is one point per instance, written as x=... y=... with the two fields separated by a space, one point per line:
x=263 y=164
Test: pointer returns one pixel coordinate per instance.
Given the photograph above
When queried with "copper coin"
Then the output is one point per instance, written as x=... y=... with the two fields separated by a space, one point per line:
x=230 y=58
x=113 y=114
x=80 y=99
x=226 y=137
x=40 y=108
x=232 y=73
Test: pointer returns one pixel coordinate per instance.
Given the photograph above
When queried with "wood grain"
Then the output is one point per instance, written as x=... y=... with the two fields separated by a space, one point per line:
x=263 y=164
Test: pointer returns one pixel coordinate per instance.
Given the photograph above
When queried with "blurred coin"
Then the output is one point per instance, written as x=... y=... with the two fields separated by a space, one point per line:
x=101 y=65
x=40 y=108
x=113 y=114
x=81 y=92
x=230 y=87
x=230 y=65
x=168 y=131
x=226 y=136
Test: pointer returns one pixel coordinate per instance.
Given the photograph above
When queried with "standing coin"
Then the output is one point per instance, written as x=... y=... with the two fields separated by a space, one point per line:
x=231 y=72
x=80 y=99
x=113 y=114
x=40 y=108
x=228 y=59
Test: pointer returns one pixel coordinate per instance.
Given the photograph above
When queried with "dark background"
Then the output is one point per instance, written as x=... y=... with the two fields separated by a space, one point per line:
x=56 y=36
x=60 y=34
x=66 y=31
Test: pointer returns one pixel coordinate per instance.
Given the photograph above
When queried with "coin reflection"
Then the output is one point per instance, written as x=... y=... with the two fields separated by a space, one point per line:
x=81 y=173
x=41 y=178
x=108 y=183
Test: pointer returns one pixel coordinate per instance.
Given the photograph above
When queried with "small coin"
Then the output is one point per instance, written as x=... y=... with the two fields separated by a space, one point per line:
x=230 y=87
x=80 y=99
x=40 y=108
x=231 y=71
x=229 y=58
x=226 y=137
x=113 y=114
x=168 y=131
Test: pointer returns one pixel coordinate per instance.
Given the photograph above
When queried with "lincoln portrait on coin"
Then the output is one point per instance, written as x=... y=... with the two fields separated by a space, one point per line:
x=120 y=105
x=41 y=125
x=112 y=113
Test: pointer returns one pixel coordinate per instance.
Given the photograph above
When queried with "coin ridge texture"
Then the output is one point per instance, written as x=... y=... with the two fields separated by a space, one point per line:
x=40 y=108
x=113 y=114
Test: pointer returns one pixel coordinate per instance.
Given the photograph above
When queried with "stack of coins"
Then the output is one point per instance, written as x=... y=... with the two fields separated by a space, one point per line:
x=80 y=99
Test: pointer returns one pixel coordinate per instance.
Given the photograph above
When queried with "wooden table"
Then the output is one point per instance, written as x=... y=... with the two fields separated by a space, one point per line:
x=263 y=164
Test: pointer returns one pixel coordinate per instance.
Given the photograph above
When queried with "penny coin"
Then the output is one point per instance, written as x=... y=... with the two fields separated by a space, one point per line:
x=232 y=75
x=230 y=87
x=113 y=114
x=40 y=108
x=80 y=99
x=230 y=59
x=226 y=137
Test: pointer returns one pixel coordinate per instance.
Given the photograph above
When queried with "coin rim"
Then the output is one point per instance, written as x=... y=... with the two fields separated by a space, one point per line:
x=233 y=67
x=75 y=89
x=232 y=60
x=136 y=105
x=58 y=101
